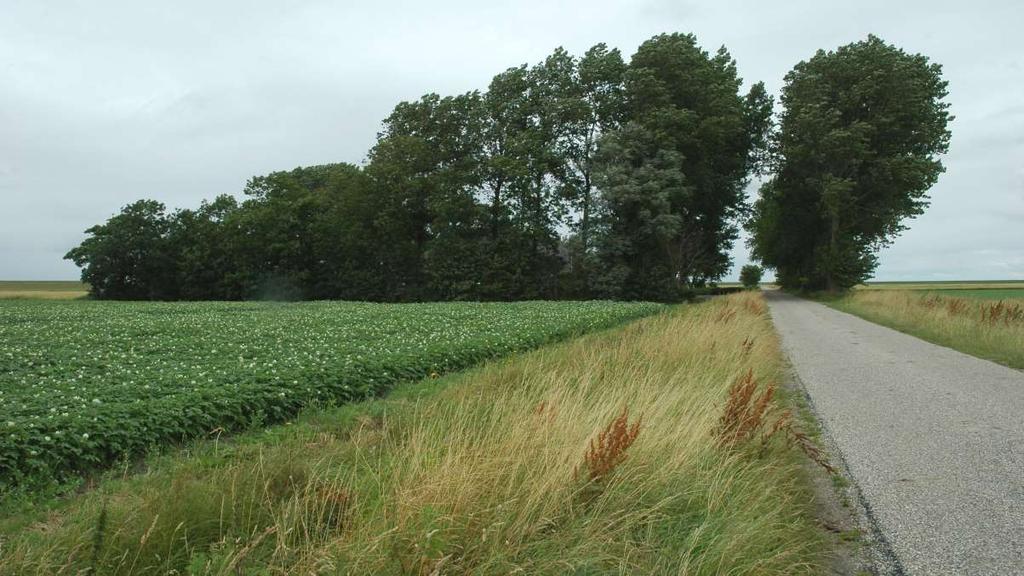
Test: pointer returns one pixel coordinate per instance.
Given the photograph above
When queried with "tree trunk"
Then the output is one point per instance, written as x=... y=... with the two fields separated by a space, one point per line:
x=585 y=221
x=833 y=248
x=496 y=211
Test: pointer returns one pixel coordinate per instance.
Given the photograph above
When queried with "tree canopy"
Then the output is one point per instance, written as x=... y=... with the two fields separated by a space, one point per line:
x=856 y=152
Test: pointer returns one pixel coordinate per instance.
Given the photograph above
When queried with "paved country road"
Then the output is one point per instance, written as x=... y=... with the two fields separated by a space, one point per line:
x=932 y=438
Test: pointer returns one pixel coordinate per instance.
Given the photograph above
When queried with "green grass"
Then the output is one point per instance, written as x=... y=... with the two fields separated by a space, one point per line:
x=481 y=472
x=84 y=383
x=48 y=290
x=964 y=324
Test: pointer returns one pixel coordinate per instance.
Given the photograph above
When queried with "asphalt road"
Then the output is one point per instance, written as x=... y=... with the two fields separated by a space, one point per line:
x=933 y=439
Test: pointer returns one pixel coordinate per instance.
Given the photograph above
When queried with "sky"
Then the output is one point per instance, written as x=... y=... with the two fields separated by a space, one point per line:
x=106 y=102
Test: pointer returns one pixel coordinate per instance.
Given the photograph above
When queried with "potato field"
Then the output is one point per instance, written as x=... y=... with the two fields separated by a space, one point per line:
x=83 y=384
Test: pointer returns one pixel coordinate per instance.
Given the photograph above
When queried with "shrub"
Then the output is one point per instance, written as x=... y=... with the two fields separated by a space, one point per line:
x=750 y=275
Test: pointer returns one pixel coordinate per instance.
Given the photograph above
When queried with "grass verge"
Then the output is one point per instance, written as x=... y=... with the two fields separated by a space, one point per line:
x=656 y=448
x=988 y=329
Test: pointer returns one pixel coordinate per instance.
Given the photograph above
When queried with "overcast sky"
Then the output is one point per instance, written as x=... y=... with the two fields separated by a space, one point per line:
x=103 y=102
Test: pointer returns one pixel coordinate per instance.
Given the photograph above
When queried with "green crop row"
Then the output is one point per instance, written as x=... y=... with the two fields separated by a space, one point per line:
x=85 y=383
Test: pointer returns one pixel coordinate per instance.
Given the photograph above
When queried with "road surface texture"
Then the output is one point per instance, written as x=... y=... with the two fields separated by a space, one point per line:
x=933 y=439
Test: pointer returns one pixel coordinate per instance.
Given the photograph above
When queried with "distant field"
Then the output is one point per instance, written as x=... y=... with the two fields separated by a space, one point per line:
x=984 y=289
x=945 y=285
x=45 y=290
x=985 y=293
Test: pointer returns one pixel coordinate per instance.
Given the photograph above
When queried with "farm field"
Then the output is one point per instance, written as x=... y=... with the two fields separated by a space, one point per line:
x=983 y=293
x=46 y=290
x=978 y=324
x=642 y=450
x=85 y=383
x=986 y=289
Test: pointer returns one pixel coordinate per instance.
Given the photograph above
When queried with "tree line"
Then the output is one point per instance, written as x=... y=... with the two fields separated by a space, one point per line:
x=578 y=177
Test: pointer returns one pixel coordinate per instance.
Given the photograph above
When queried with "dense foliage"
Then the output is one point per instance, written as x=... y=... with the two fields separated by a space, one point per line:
x=577 y=177
x=84 y=383
x=857 y=150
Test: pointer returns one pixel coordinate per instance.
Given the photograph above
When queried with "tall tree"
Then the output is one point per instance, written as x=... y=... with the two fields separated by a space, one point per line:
x=642 y=189
x=583 y=99
x=858 y=147
x=273 y=240
x=347 y=240
x=516 y=184
x=302 y=233
x=425 y=167
x=693 y=99
x=688 y=103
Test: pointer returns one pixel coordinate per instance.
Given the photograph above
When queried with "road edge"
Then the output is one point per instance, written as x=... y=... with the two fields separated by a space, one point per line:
x=877 y=554
x=839 y=501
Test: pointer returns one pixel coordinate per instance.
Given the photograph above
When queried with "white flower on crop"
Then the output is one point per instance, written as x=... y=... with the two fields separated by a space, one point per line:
x=96 y=401
x=10 y=424
x=85 y=435
x=47 y=438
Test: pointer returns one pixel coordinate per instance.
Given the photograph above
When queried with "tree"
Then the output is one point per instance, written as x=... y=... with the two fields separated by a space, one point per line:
x=425 y=167
x=127 y=258
x=581 y=99
x=750 y=275
x=684 y=105
x=692 y=101
x=517 y=161
x=857 y=151
x=276 y=252
x=347 y=239
x=585 y=98
x=642 y=189
x=200 y=241
x=300 y=234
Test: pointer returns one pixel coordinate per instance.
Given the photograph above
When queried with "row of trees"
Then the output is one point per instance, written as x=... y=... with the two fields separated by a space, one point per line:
x=577 y=177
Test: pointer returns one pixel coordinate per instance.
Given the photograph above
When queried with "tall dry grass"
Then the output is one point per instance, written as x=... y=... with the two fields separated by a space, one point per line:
x=984 y=328
x=603 y=455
